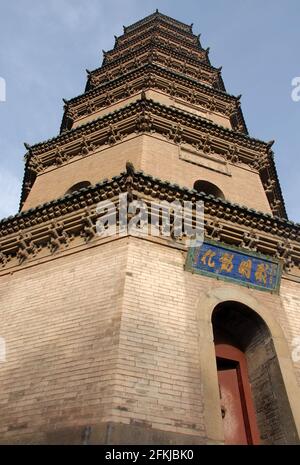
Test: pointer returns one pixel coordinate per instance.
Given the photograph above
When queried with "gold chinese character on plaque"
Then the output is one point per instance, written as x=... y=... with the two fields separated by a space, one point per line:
x=261 y=273
x=226 y=260
x=245 y=268
x=209 y=254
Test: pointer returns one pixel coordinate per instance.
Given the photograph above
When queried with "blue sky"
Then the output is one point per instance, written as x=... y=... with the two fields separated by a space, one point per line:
x=45 y=47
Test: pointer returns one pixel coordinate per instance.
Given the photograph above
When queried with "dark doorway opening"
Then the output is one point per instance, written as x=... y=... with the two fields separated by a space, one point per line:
x=249 y=373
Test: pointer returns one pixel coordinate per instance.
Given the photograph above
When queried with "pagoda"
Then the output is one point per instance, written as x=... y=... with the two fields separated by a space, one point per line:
x=127 y=338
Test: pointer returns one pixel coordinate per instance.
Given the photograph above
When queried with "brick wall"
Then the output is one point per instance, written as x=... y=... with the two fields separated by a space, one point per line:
x=243 y=186
x=111 y=334
x=161 y=98
x=61 y=324
x=155 y=156
x=160 y=379
x=106 y=163
x=290 y=320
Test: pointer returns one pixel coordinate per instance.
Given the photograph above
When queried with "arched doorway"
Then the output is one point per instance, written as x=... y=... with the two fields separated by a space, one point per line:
x=253 y=400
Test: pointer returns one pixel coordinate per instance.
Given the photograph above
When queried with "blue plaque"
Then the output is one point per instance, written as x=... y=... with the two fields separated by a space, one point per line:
x=234 y=264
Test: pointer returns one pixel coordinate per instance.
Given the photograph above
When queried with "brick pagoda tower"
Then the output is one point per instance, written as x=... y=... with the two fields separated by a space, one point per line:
x=121 y=339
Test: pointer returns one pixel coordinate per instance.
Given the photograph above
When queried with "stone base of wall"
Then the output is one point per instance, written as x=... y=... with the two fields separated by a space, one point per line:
x=110 y=433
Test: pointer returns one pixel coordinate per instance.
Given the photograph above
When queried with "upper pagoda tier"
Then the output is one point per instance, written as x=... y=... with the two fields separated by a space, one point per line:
x=160 y=40
x=167 y=32
x=190 y=94
x=159 y=54
x=157 y=15
x=157 y=35
x=157 y=84
x=153 y=51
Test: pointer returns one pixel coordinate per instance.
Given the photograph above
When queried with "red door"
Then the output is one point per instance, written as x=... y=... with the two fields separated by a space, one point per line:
x=239 y=421
x=231 y=406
